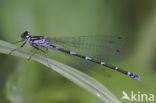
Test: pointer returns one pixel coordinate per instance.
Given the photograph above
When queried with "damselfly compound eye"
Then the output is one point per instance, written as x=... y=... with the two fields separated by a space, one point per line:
x=25 y=35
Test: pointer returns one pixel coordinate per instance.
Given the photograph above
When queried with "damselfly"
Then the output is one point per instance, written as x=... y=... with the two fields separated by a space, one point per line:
x=42 y=41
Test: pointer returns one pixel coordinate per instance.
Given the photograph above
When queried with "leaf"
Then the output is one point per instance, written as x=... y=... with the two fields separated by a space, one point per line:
x=79 y=78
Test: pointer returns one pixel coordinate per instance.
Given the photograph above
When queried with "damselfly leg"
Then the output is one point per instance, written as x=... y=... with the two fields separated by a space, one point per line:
x=32 y=55
x=46 y=54
x=17 y=48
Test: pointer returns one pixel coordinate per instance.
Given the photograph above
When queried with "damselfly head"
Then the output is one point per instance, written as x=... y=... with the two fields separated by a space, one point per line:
x=25 y=35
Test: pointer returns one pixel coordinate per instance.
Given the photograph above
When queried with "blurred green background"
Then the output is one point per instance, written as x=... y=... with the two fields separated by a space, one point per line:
x=23 y=81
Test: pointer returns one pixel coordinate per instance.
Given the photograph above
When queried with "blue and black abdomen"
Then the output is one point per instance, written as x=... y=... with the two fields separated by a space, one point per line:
x=132 y=75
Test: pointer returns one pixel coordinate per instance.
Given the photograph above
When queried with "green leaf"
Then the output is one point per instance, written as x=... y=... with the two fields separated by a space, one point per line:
x=79 y=78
